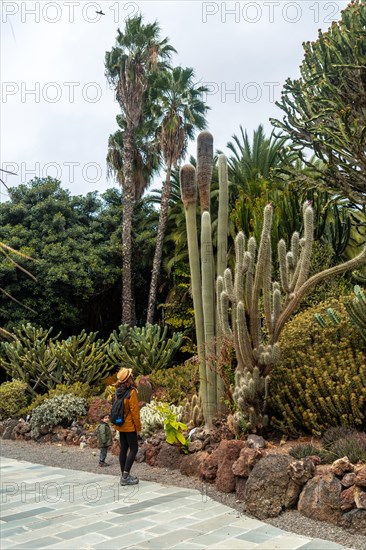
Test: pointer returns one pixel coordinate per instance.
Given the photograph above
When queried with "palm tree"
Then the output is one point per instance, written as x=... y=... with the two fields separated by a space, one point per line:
x=257 y=160
x=181 y=112
x=138 y=53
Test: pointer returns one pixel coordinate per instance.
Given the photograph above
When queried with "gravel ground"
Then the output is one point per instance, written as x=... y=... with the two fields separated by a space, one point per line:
x=87 y=460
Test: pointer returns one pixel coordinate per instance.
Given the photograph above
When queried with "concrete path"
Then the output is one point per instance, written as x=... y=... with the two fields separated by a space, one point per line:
x=44 y=507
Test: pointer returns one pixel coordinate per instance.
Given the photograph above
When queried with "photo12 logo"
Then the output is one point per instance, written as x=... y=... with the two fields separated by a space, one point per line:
x=270 y=12
x=90 y=172
x=51 y=92
x=249 y=92
x=71 y=491
x=53 y=12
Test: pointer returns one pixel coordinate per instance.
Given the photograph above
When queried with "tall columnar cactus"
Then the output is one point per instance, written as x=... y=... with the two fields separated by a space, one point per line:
x=253 y=311
x=203 y=272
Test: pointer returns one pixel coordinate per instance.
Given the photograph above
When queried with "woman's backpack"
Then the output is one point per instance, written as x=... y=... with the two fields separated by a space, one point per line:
x=116 y=416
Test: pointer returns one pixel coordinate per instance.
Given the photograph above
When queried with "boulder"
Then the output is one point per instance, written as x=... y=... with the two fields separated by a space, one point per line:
x=320 y=498
x=360 y=477
x=246 y=461
x=169 y=457
x=190 y=464
x=348 y=479
x=8 y=429
x=269 y=489
x=355 y=521
x=341 y=466
x=228 y=452
x=360 y=497
x=348 y=498
x=256 y=442
x=208 y=467
x=150 y=454
x=301 y=471
x=22 y=427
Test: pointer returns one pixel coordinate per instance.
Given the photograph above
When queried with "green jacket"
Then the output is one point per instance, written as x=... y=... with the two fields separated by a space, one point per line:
x=104 y=435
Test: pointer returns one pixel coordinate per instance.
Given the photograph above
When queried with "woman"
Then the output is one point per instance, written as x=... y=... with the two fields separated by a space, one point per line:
x=130 y=427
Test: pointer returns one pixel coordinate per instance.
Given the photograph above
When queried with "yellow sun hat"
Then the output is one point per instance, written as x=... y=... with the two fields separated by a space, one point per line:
x=123 y=374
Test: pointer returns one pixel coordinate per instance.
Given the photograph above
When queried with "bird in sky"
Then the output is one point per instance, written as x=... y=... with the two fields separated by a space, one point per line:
x=100 y=13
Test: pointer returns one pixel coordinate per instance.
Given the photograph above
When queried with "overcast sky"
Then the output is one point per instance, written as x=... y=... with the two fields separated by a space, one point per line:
x=57 y=111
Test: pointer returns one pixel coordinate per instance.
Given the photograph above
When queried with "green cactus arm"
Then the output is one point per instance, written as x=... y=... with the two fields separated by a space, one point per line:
x=244 y=342
x=282 y=260
x=249 y=257
x=259 y=274
x=355 y=263
x=305 y=258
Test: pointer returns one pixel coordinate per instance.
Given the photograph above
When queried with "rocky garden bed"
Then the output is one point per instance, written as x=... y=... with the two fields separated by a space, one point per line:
x=264 y=478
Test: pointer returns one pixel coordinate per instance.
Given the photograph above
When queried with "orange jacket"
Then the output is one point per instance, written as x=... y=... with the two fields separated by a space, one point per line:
x=132 y=422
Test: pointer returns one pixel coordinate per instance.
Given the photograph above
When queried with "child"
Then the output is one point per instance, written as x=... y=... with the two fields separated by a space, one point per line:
x=104 y=435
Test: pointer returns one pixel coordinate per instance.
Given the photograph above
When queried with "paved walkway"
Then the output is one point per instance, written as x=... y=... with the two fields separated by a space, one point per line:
x=44 y=507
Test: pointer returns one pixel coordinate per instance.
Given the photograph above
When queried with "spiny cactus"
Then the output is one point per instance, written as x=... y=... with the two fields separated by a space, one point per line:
x=82 y=358
x=29 y=358
x=143 y=349
x=356 y=310
x=192 y=411
x=253 y=312
x=203 y=273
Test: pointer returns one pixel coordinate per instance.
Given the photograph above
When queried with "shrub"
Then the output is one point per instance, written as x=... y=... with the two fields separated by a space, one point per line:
x=12 y=398
x=321 y=381
x=60 y=410
x=78 y=389
x=177 y=382
x=152 y=419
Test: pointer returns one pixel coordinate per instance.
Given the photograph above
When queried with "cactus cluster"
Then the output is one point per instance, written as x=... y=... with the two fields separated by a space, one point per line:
x=356 y=310
x=144 y=349
x=43 y=362
x=253 y=310
x=192 y=411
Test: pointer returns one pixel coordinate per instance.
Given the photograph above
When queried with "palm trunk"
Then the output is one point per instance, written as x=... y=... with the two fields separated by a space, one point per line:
x=128 y=199
x=163 y=217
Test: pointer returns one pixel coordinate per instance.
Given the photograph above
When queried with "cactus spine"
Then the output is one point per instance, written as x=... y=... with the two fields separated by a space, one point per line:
x=256 y=335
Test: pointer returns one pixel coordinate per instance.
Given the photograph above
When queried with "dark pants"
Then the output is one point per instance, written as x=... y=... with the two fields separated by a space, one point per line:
x=127 y=442
x=103 y=454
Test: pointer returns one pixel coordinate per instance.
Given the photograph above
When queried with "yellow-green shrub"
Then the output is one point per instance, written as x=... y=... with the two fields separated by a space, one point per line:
x=12 y=398
x=321 y=381
x=176 y=382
